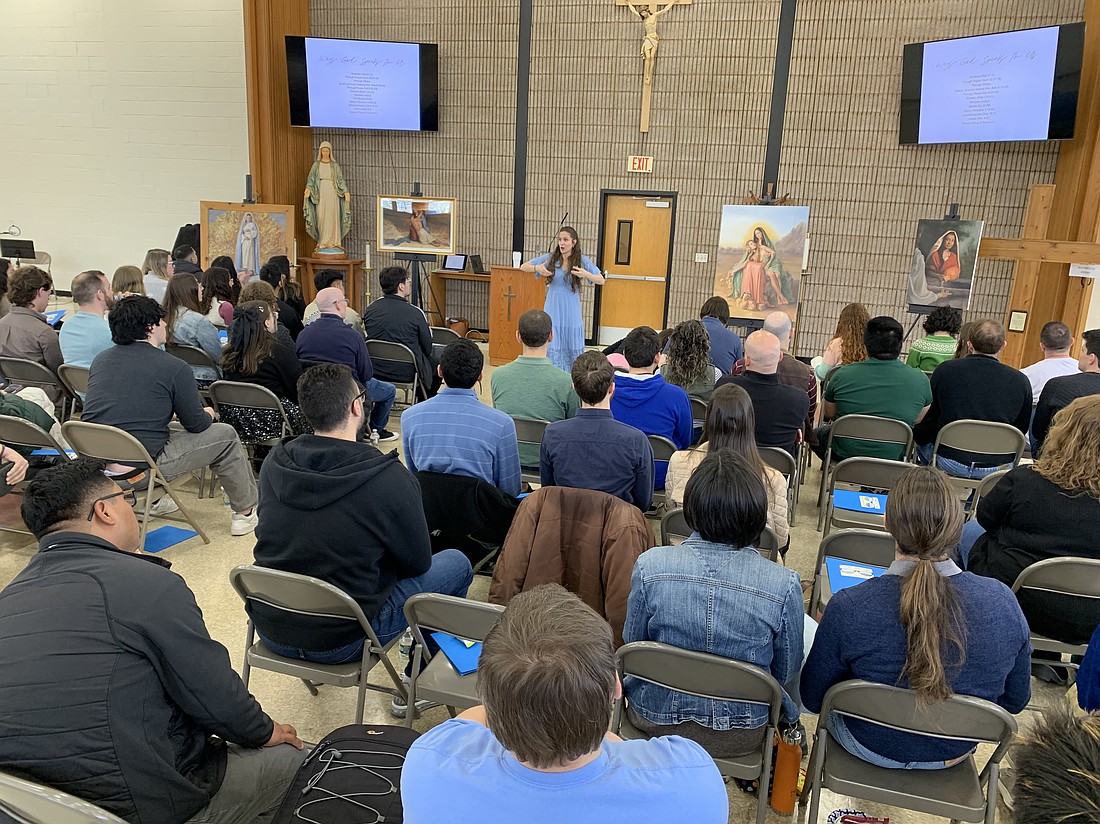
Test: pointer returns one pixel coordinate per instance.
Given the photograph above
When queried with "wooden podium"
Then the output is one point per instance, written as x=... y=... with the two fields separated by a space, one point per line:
x=511 y=293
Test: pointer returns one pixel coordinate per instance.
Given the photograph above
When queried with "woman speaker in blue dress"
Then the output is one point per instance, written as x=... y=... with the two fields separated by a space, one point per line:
x=565 y=269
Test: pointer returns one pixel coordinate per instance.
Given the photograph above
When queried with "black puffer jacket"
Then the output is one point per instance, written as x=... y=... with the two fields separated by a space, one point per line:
x=110 y=685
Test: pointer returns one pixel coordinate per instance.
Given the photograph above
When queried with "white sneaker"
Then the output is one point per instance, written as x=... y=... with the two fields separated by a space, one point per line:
x=163 y=506
x=243 y=524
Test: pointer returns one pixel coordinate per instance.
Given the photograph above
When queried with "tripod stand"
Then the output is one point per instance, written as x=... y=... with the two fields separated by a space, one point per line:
x=418 y=269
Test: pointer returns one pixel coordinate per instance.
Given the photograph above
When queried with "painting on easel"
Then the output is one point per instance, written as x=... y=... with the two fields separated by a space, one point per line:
x=248 y=233
x=761 y=255
x=941 y=270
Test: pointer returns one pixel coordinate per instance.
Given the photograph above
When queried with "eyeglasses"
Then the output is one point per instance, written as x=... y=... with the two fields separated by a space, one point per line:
x=128 y=495
x=362 y=397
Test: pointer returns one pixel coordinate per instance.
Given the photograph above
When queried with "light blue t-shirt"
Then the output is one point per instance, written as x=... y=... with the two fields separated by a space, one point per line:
x=458 y=771
x=83 y=336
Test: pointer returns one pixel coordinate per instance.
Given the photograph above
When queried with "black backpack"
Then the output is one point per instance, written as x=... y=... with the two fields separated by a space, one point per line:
x=352 y=777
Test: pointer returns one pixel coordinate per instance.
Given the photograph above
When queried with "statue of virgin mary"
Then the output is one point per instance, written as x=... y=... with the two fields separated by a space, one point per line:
x=327 y=203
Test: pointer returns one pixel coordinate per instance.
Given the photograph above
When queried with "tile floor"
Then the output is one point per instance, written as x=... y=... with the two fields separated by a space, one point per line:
x=206 y=570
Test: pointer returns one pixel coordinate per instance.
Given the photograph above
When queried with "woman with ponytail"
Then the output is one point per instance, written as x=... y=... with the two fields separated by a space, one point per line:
x=925 y=625
x=254 y=355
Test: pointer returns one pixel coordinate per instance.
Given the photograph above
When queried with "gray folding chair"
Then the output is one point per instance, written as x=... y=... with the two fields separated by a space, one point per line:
x=302 y=595
x=398 y=354
x=988 y=482
x=442 y=335
x=530 y=431
x=230 y=397
x=955 y=793
x=877 y=473
x=864 y=428
x=715 y=678
x=75 y=378
x=21 y=432
x=698 y=411
x=1077 y=578
x=32 y=373
x=861 y=546
x=439 y=681
x=30 y=803
x=113 y=445
x=982 y=438
x=781 y=461
x=192 y=356
x=663 y=450
x=674 y=531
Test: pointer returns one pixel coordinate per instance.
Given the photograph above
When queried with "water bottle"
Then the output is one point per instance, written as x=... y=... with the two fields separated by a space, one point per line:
x=406 y=642
x=788 y=760
x=374 y=437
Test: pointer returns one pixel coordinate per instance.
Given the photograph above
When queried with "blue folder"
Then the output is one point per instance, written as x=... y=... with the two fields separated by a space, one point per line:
x=866 y=502
x=54 y=316
x=165 y=536
x=843 y=574
x=462 y=657
x=223 y=336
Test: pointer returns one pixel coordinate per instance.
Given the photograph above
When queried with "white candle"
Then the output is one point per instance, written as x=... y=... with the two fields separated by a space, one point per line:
x=366 y=255
x=295 y=251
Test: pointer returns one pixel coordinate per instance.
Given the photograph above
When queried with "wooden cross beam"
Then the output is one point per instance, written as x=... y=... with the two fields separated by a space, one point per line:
x=1030 y=251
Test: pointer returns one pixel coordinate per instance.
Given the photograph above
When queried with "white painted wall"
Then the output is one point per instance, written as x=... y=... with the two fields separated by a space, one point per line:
x=118 y=117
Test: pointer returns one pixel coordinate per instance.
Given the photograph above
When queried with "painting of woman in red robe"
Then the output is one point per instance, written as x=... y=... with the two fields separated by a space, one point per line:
x=943 y=259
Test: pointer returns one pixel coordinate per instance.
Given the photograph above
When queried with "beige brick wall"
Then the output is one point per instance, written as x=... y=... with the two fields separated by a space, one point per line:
x=119 y=116
x=708 y=133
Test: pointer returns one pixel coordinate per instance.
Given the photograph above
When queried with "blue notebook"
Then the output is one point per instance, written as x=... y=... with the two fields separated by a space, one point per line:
x=866 y=502
x=54 y=316
x=165 y=536
x=843 y=574
x=223 y=336
x=462 y=657
x=49 y=453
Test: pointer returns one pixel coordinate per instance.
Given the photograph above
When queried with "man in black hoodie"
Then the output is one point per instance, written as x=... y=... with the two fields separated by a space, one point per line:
x=342 y=511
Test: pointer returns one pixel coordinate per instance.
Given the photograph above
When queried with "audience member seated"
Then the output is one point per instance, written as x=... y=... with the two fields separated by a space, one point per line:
x=977 y=387
x=729 y=426
x=331 y=279
x=456 y=433
x=538 y=749
x=188 y=325
x=783 y=409
x=217 y=296
x=24 y=331
x=157 y=270
x=342 y=511
x=19 y=465
x=791 y=371
x=725 y=344
x=289 y=290
x=1055 y=340
x=258 y=290
x=715 y=594
x=1049 y=509
x=1088 y=675
x=330 y=339
x=86 y=333
x=847 y=344
x=226 y=262
x=643 y=399
x=941 y=330
x=139 y=388
x=393 y=318
x=881 y=385
x=531 y=386
x=254 y=355
x=593 y=450
x=186 y=261
x=5 y=270
x=125 y=682
x=288 y=317
x=1061 y=392
x=127 y=281
x=1056 y=764
x=687 y=362
x=925 y=625
x=30 y=404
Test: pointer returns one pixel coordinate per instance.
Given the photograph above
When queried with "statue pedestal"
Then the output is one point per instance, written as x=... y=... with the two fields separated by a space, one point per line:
x=353 y=278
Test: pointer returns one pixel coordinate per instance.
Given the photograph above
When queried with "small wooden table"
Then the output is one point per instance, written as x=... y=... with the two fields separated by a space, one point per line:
x=352 y=280
x=437 y=294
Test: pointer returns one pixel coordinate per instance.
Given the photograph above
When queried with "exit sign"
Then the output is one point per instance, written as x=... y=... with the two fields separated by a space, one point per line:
x=639 y=163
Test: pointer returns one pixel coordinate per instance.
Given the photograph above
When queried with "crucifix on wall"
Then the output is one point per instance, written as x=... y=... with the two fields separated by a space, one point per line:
x=648 y=12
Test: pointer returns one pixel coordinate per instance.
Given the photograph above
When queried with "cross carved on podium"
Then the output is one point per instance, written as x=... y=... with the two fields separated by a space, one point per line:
x=509 y=295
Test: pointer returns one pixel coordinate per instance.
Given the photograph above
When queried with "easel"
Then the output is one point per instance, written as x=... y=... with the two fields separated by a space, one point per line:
x=417 y=270
x=952 y=214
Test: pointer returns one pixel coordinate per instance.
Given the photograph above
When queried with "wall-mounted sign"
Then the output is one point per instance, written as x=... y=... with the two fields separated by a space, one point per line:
x=639 y=163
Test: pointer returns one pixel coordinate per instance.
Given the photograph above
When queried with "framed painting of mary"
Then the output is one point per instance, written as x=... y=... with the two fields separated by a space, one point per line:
x=761 y=254
x=941 y=270
x=248 y=233
x=422 y=225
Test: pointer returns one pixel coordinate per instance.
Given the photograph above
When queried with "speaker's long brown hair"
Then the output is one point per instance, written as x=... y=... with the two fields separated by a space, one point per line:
x=925 y=518
x=567 y=265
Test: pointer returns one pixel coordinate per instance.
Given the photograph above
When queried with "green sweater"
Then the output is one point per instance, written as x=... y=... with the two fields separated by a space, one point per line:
x=930 y=351
x=15 y=407
x=531 y=387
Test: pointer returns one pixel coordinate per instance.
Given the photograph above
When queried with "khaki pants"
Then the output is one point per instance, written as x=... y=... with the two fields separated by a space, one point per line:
x=219 y=448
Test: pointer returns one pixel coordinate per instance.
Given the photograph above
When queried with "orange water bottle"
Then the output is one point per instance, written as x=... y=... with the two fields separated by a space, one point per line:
x=788 y=759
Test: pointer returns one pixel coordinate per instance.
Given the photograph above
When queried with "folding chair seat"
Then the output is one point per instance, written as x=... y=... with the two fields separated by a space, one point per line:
x=398 y=354
x=988 y=438
x=1076 y=578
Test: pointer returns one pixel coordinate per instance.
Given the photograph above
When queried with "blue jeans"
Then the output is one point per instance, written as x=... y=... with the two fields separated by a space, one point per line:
x=972 y=531
x=839 y=731
x=382 y=395
x=958 y=470
x=450 y=574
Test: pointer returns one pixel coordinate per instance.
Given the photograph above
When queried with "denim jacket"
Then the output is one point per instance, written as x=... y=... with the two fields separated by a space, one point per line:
x=193 y=329
x=724 y=601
